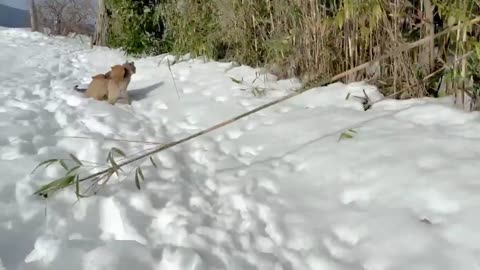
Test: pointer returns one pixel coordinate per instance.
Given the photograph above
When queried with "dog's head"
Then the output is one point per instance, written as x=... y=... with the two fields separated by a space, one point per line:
x=130 y=66
x=118 y=72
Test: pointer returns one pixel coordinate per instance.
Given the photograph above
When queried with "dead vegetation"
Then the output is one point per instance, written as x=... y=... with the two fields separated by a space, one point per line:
x=315 y=40
x=65 y=17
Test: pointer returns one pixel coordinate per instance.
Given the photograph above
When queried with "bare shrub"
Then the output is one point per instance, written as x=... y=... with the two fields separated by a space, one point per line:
x=63 y=17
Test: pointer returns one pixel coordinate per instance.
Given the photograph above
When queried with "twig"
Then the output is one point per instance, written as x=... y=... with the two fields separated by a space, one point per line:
x=174 y=83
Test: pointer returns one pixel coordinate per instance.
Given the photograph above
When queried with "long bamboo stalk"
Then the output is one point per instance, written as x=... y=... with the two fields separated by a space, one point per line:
x=243 y=115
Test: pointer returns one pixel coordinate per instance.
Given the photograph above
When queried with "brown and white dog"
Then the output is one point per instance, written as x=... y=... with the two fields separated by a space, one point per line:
x=112 y=85
x=130 y=69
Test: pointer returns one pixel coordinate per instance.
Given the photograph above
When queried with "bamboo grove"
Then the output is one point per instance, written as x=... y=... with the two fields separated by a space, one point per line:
x=314 y=39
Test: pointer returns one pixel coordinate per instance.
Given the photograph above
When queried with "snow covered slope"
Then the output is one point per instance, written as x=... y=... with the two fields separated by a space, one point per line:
x=277 y=190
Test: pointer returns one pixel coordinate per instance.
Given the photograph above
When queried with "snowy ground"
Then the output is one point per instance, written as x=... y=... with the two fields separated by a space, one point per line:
x=276 y=190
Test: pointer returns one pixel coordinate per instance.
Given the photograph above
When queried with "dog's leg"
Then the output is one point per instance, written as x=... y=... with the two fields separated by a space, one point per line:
x=113 y=95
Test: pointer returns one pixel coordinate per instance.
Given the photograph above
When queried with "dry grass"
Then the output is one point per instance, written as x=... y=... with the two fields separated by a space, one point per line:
x=316 y=39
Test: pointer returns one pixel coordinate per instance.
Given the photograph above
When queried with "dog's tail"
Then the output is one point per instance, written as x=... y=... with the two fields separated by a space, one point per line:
x=79 y=89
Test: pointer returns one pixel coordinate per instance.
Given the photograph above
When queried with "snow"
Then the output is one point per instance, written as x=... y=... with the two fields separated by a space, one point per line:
x=277 y=190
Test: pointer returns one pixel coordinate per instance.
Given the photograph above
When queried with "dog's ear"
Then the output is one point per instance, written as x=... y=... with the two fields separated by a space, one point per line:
x=133 y=67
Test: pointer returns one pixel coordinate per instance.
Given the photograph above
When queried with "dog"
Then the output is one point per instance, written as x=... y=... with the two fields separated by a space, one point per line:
x=103 y=88
x=130 y=69
x=120 y=93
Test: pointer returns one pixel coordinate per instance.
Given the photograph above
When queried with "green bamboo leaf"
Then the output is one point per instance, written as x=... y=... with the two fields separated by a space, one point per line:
x=48 y=186
x=153 y=162
x=66 y=182
x=46 y=162
x=347 y=134
x=137 y=178
x=73 y=169
x=76 y=159
x=118 y=151
x=64 y=165
x=235 y=80
x=56 y=185
x=137 y=182
x=140 y=173
x=77 y=187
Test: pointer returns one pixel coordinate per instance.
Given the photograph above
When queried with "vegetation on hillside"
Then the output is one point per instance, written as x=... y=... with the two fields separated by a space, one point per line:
x=313 y=40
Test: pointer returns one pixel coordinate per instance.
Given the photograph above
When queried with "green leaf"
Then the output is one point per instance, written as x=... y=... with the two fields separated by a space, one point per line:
x=76 y=160
x=348 y=96
x=77 y=187
x=347 y=134
x=235 y=80
x=64 y=165
x=56 y=185
x=118 y=151
x=46 y=162
x=73 y=169
x=137 y=182
x=140 y=173
x=153 y=162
